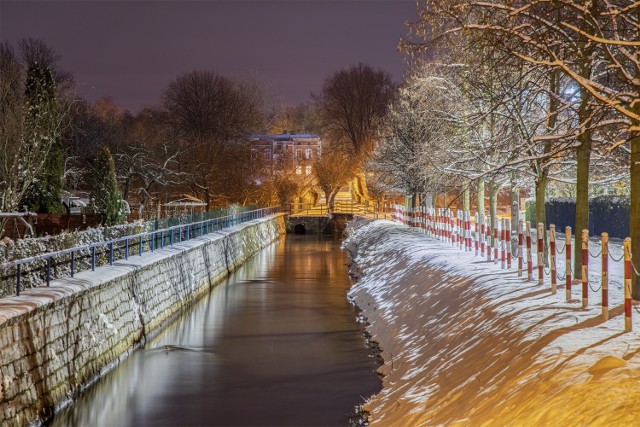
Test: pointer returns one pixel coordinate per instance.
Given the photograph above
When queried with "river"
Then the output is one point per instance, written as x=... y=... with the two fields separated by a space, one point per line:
x=276 y=344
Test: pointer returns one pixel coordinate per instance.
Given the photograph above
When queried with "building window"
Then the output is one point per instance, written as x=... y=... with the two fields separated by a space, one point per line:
x=298 y=154
x=298 y=170
x=307 y=170
x=267 y=154
x=307 y=153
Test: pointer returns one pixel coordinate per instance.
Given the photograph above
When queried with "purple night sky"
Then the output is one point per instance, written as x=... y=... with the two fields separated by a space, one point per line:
x=131 y=50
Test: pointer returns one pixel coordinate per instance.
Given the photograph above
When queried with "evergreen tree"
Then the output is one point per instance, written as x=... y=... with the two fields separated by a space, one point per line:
x=106 y=198
x=45 y=191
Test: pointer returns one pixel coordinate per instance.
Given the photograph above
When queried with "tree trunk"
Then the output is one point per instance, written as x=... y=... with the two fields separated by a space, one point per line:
x=634 y=213
x=583 y=157
x=480 y=196
x=466 y=198
x=494 y=188
x=515 y=208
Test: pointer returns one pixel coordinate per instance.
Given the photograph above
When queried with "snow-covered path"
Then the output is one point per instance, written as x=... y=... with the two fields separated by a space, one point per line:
x=466 y=343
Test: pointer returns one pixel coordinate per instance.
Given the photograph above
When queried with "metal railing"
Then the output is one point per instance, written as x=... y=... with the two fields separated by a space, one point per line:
x=339 y=207
x=106 y=252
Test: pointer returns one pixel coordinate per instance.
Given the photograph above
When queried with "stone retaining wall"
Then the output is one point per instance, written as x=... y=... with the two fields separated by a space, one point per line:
x=55 y=341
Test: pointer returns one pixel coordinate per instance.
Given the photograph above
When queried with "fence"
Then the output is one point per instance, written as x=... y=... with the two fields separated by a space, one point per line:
x=34 y=271
x=339 y=207
x=492 y=235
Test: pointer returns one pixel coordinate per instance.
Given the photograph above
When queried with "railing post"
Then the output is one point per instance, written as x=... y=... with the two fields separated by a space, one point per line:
x=627 y=284
x=495 y=238
x=171 y=238
x=508 y=241
x=520 y=247
x=585 y=268
x=162 y=239
x=140 y=247
x=503 y=244
x=605 y=275
x=540 y=233
x=476 y=238
x=48 y=272
x=482 y=234
x=488 y=236
x=529 y=257
x=93 y=258
x=567 y=265
x=552 y=250
x=18 y=274
x=72 y=263
x=110 y=253
x=152 y=243
x=126 y=248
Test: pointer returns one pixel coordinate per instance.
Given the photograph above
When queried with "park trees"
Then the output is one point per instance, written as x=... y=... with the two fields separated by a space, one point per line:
x=209 y=113
x=106 y=198
x=591 y=44
x=30 y=125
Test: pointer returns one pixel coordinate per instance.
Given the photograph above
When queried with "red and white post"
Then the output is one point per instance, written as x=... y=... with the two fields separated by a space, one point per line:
x=529 y=260
x=585 y=268
x=567 y=262
x=604 y=239
x=520 y=247
x=552 y=250
x=467 y=226
x=627 y=284
x=482 y=234
x=540 y=233
x=488 y=237
x=508 y=242
x=503 y=255
x=494 y=221
x=476 y=237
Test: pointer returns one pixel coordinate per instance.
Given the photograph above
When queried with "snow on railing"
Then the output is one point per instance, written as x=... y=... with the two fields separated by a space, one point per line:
x=444 y=225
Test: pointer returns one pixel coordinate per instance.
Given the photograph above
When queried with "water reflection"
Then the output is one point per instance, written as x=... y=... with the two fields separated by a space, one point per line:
x=274 y=345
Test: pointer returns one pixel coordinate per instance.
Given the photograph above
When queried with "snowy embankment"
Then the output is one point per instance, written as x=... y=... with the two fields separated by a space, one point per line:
x=466 y=343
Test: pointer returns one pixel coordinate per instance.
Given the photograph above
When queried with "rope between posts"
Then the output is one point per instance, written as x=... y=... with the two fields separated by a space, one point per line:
x=595 y=256
x=616 y=260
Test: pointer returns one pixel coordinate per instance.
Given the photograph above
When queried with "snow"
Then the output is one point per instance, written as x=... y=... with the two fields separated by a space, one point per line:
x=467 y=343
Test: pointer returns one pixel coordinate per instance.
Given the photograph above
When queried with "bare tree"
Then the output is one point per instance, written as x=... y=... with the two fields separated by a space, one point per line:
x=333 y=170
x=352 y=103
x=209 y=112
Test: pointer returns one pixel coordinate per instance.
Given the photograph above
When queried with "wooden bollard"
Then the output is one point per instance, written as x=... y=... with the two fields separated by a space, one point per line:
x=627 y=284
x=476 y=238
x=508 y=242
x=552 y=250
x=503 y=258
x=585 y=268
x=540 y=232
x=520 y=247
x=488 y=237
x=567 y=262
x=482 y=236
x=467 y=226
x=460 y=222
x=494 y=221
x=604 y=240
x=529 y=260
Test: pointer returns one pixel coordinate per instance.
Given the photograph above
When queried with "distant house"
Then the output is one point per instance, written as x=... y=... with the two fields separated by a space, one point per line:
x=291 y=154
x=288 y=151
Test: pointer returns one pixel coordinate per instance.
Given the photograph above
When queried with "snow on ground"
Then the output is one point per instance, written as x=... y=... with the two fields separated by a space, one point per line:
x=466 y=343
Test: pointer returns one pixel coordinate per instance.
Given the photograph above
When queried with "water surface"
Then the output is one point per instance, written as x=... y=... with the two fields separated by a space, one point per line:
x=275 y=345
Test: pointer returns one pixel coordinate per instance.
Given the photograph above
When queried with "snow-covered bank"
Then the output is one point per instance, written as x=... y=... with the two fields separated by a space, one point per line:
x=467 y=343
